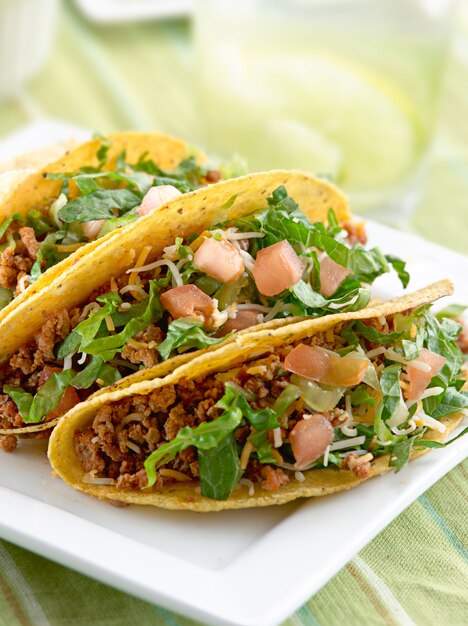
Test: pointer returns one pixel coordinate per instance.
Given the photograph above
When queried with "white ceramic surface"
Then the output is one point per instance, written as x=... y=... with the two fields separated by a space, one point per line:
x=249 y=568
x=112 y=11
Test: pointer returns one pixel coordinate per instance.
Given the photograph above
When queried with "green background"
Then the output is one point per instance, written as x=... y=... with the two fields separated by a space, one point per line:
x=414 y=572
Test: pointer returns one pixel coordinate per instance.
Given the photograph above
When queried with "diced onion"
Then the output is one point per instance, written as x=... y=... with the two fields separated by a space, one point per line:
x=325 y=456
x=347 y=443
x=67 y=362
x=314 y=396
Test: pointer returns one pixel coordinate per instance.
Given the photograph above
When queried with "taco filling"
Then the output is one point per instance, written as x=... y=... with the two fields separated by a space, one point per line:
x=271 y=264
x=92 y=202
x=340 y=398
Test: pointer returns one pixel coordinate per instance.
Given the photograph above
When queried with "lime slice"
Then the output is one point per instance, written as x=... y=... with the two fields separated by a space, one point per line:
x=341 y=105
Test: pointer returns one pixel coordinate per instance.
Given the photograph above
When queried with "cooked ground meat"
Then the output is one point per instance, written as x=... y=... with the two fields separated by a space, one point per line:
x=136 y=352
x=356 y=232
x=8 y=443
x=123 y=433
x=359 y=465
x=30 y=242
x=12 y=267
x=274 y=478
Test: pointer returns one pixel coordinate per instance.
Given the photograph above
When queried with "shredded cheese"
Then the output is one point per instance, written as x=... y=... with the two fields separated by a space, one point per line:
x=109 y=323
x=248 y=260
x=113 y=284
x=413 y=330
x=245 y=454
x=231 y=235
x=347 y=443
x=136 y=290
x=174 y=474
x=70 y=248
x=82 y=358
x=134 y=447
x=277 y=438
x=21 y=283
x=249 y=484
x=139 y=265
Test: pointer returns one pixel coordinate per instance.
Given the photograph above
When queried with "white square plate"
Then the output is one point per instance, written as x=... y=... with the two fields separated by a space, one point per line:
x=241 y=567
x=113 y=11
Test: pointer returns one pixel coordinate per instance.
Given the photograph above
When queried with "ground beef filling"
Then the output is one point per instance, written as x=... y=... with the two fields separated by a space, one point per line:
x=123 y=434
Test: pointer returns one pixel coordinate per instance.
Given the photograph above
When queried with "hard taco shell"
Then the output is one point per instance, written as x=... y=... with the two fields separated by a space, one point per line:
x=22 y=190
x=243 y=347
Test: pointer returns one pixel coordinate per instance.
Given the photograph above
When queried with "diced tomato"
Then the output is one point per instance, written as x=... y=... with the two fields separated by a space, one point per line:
x=69 y=399
x=331 y=276
x=187 y=301
x=309 y=439
x=276 y=268
x=243 y=319
x=220 y=260
x=325 y=367
x=156 y=197
x=92 y=228
x=420 y=379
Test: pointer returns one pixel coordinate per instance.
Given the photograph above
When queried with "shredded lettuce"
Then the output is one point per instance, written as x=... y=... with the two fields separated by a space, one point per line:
x=33 y=409
x=184 y=334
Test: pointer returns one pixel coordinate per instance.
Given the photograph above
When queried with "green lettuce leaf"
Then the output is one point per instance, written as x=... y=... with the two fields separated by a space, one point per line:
x=220 y=469
x=99 y=205
x=186 y=333
x=33 y=409
x=206 y=436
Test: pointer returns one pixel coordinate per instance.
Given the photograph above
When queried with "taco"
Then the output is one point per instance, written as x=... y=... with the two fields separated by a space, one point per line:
x=52 y=217
x=184 y=278
x=303 y=410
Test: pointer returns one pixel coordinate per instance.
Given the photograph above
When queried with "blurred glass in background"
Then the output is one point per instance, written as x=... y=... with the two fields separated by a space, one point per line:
x=26 y=35
x=344 y=88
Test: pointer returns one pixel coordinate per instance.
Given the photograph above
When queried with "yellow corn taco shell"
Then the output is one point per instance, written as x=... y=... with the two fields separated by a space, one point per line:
x=23 y=189
x=191 y=213
x=114 y=254
x=242 y=348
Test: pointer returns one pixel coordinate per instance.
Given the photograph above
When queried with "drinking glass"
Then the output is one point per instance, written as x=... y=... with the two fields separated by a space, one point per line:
x=347 y=89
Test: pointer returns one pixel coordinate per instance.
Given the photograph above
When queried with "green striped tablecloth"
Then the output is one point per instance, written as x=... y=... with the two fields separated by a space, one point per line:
x=415 y=571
